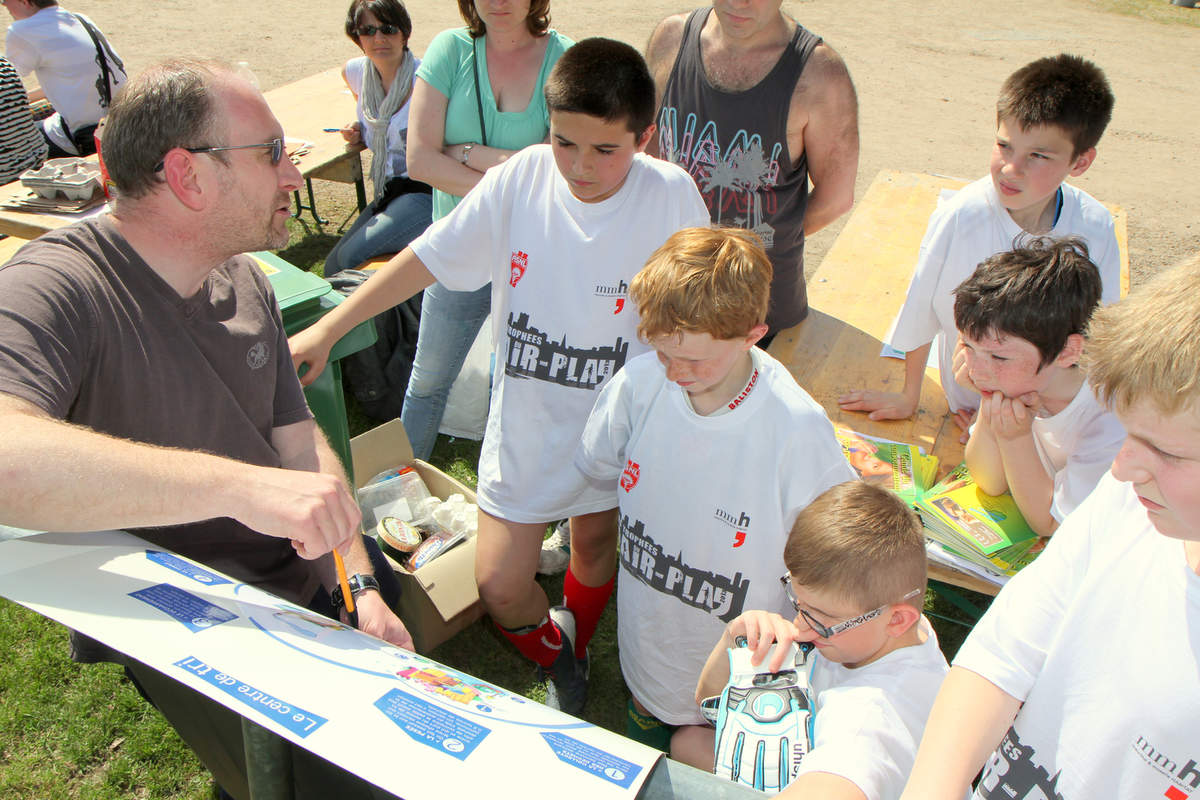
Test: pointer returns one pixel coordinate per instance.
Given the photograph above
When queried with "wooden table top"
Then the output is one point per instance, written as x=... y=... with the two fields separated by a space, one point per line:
x=303 y=107
x=855 y=294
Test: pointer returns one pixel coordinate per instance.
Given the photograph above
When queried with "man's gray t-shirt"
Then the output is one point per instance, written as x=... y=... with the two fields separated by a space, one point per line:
x=90 y=334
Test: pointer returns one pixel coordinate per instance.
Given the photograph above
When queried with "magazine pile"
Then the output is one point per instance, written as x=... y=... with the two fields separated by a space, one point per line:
x=965 y=528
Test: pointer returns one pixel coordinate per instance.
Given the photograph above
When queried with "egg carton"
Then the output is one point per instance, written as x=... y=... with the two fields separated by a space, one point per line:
x=76 y=178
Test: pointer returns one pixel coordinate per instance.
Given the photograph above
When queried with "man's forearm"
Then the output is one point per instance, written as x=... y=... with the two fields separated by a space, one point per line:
x=58 y=476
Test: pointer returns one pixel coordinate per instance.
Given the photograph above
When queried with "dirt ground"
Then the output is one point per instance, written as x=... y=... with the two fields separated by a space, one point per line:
x=927 y=73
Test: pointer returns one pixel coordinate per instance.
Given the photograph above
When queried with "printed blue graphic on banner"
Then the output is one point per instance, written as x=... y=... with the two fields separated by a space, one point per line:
x=296 y=720
x=195 y=613
x=592 y=759
x=185 y=568
x=432 y=725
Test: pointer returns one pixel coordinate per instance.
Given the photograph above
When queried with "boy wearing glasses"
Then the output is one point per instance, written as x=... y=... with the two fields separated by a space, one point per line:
x=715 y=448
x=856 y=581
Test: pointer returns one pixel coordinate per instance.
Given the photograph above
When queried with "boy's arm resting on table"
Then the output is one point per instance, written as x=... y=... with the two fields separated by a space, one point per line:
x=892 y=405
x=983 y=458
x=967 y=722
x=1032 y=487
x=1002 y=456
x=302 y=446
x=825 y=99
x=58 y=476
x=393 y=283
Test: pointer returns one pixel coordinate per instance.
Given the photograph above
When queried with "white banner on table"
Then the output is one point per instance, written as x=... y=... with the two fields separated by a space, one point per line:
x=397 y=719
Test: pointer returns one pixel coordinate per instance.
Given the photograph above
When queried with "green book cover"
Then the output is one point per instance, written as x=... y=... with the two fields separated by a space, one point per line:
x=903 y=468
x=964 y=518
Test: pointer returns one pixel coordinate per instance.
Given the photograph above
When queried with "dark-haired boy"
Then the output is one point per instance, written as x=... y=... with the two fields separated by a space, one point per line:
x=1049 y=117
x=1040 y=434
x=717 y=449
x=856 y=580
x=559 y=230
x=1080 y=680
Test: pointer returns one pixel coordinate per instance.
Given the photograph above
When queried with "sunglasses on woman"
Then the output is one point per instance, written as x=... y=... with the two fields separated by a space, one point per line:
x=370 y=30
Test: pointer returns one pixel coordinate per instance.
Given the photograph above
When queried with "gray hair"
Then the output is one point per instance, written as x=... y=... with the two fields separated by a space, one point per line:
x=169 y=105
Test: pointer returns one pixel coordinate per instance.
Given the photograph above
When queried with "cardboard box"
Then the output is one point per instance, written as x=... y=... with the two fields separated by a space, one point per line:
x=440 y=598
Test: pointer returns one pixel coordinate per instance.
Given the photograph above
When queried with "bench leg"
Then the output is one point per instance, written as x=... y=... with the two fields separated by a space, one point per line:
x=312 y=204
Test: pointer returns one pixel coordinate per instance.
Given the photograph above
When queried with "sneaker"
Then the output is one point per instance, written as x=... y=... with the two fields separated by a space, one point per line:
x=566 y=680
x=556 y=551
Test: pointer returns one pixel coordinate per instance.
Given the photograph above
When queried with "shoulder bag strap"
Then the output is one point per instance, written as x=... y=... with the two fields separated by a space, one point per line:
x=478 y=94
x=104 y=84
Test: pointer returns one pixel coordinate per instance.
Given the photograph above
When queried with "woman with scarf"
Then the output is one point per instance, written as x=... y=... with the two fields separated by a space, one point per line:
x=477 y=100
x=382 y=83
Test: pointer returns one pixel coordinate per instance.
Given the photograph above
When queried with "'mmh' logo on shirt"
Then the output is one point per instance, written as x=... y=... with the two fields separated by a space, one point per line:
x=740 y=524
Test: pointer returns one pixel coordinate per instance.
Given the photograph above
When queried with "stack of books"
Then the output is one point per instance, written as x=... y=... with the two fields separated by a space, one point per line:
x=965 y=528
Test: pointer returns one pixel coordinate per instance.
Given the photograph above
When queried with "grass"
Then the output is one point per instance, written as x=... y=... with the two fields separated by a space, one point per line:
x=82 y=731
x=1154 y=10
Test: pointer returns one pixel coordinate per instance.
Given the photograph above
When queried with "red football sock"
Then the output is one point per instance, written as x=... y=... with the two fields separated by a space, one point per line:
x=587 y=604
x=541 y=644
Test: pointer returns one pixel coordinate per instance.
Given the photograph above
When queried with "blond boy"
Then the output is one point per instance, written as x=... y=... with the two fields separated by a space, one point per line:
x=716 y=449
x=856 y=581
x=1080 y=681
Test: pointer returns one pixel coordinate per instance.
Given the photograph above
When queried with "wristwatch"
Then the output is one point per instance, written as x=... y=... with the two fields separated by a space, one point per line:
x=359 y=583
x=466 y=153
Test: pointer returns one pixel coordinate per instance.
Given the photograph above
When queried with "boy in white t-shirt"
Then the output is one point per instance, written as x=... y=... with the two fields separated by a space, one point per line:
x=716 y=448
x=559 y=230
x=1081 y=679
x=856 y=581
x=1050 y=115
x=1040 y=433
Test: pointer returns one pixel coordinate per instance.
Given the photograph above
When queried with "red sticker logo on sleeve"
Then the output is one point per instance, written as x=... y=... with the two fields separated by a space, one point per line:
x=517 y=266
x=629 y=477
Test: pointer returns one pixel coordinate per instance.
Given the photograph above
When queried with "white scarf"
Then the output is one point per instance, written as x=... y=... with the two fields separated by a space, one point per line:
x=378 y=111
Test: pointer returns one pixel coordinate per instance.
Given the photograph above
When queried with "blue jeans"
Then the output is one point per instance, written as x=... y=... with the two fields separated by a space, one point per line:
x=449 y=323
x=389 y=231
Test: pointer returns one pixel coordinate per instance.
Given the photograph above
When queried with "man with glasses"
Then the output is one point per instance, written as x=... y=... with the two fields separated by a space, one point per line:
x=856 y=578
x=146 y=381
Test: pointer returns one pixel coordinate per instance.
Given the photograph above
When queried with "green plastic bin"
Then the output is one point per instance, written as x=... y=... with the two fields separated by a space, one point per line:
x=303 y=299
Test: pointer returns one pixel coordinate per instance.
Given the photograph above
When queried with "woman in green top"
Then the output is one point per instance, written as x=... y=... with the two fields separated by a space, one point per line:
x=477 y=100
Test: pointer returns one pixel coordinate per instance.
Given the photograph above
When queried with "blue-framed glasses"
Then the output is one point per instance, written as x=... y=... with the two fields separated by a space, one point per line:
x=275 y=145
x=828 y=631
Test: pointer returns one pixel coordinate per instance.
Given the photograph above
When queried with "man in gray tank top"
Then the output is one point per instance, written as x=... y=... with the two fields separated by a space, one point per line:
x=753 y=106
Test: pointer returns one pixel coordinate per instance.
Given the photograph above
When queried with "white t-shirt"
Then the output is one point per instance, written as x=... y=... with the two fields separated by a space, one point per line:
x=706 y=504
x=1077 y=446
x=57 y=47
x=962 y=232
x=397 y=132
x=869 y=720
x=562 y=322
x=1100 y=639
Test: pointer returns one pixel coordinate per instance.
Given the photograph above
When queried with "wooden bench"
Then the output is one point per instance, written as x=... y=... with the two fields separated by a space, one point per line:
x=855 y=294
